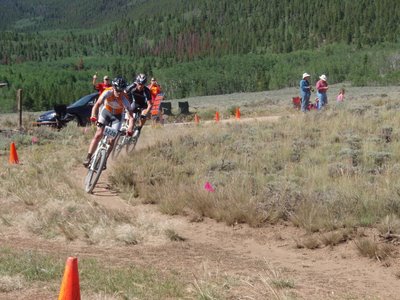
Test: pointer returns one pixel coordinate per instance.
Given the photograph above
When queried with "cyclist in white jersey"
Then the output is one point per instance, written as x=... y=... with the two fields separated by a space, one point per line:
x=113 y=101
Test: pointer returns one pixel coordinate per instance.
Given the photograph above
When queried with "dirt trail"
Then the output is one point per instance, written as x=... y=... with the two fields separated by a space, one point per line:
x=337 y=273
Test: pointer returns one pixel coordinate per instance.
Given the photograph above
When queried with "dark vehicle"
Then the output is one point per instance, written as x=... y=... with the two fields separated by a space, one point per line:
x=61 y=114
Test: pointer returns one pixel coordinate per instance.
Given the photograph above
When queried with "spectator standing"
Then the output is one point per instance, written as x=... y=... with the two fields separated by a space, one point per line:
x=322 y=88
x=155 y=91
x=154 y=88
x=101 y=86
x=305 y=92
x=340 y=97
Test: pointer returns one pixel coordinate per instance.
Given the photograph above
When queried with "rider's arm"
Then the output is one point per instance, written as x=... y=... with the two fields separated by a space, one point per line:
x=149 y=105
x=94 y=80
x=130 y=87
x=148 y=101
x=128 y=108
x=96 y=106
x=131 y=122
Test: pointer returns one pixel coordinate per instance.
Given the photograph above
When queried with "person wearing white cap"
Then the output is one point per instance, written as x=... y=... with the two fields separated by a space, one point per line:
x=305 y=92
x=100 y=87
x=322 y=87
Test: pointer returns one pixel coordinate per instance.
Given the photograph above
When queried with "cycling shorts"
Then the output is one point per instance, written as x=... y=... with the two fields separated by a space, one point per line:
x=106 y=118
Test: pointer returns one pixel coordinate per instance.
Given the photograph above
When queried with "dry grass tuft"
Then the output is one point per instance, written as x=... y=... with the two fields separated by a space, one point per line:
x=211 y=283
x=389 y=224
x=11 y=283
x=127 y=234
x=174 y=236
x=334 y=238
x=372 y=249
x=309 y=242
x=273 y=285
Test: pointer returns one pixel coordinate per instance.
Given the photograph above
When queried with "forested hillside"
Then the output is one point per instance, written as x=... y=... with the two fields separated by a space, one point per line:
x=195 y=47
x=37 y=15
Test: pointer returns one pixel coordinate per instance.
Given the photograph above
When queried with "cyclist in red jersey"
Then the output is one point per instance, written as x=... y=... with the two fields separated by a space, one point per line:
x=113 y=101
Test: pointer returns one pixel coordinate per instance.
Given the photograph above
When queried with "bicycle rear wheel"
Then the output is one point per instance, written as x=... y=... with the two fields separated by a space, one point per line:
x=95 y=169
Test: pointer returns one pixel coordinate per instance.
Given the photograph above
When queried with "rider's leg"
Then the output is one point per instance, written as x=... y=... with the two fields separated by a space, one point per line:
x=142 y=121
x=93 y=144
x=116 y=123
x=111 y=143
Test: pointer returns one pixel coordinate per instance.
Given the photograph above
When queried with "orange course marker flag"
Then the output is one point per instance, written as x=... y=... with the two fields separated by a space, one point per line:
x=217 y=116
x=13 y=154
x=70 y=289
x=237 y=115
x=196 y=119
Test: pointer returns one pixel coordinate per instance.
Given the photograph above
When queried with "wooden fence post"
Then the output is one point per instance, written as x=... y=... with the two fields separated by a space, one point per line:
x=19 y=106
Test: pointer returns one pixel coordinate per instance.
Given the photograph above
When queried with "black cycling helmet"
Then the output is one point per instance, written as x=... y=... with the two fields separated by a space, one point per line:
x=119 y=83
x=141 y=78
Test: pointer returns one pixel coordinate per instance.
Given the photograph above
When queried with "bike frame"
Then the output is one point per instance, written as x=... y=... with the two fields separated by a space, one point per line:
x=99 y=159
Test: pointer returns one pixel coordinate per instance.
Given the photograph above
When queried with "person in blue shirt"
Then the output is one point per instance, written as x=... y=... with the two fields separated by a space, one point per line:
x=305 y=91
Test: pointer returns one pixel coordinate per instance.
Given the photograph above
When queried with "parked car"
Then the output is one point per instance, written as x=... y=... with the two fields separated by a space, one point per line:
x=79 y=111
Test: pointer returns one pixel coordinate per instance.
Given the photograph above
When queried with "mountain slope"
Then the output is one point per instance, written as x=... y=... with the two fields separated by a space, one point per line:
x=200 y=47
x=61 y=14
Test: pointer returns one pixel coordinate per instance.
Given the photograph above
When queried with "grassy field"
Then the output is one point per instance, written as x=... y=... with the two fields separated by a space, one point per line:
x=330 y=172
x=313 y=169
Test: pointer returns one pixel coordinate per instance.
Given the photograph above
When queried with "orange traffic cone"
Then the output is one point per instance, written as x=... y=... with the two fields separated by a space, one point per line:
x=13 y=155
x=237 y=114
x=217 y=116
x=70 y=284
x=196 y=119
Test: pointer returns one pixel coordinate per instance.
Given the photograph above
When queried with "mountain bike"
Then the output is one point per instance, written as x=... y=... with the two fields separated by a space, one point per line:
x=124 y=141
x=99 y=159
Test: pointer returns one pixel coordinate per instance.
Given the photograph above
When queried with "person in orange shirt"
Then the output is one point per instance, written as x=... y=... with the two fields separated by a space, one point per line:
x=154 y=88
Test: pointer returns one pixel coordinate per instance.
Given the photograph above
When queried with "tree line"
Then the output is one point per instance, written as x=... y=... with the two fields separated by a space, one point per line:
x=207 y=47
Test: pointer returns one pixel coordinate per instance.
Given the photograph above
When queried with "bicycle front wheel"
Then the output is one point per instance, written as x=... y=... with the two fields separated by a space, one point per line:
x=95 y=169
